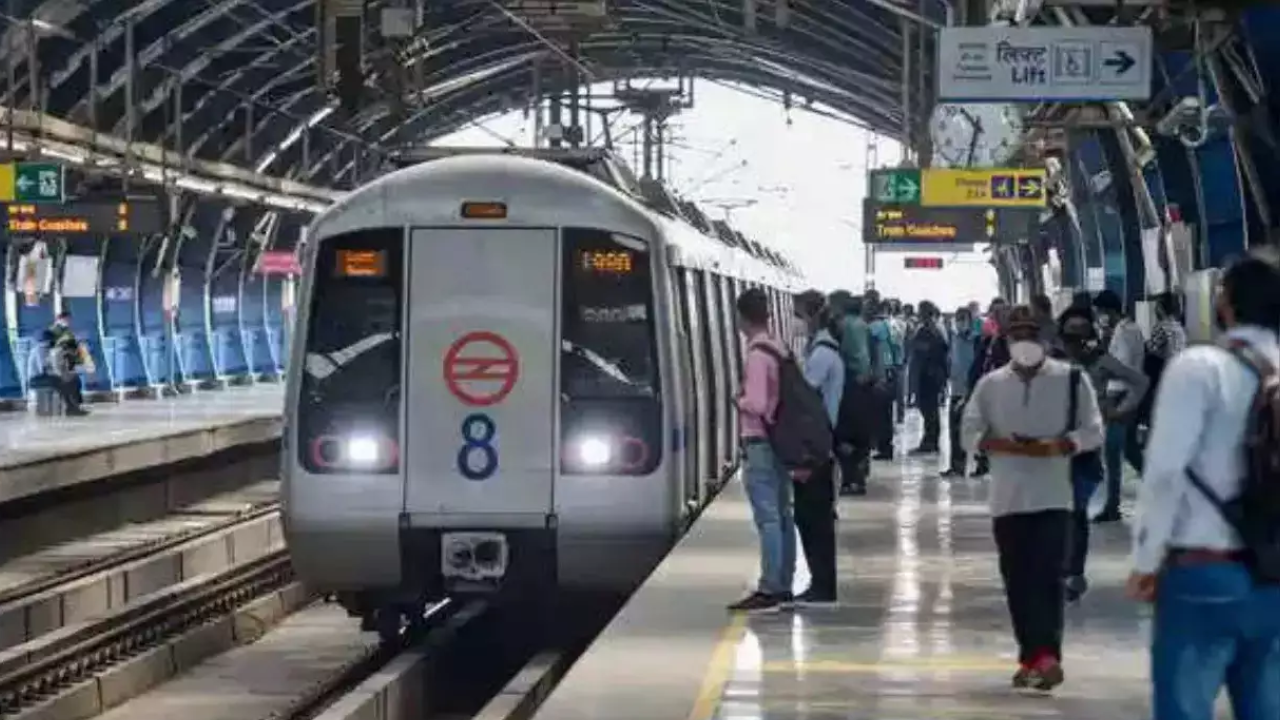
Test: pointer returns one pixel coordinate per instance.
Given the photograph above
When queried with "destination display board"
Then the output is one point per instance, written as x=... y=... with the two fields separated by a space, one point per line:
x=885 y=224
x=918 y=224
x=84 y=217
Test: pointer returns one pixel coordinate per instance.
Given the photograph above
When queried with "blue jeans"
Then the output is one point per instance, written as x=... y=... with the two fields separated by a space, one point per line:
x=1214 y=627
x=1121 y=447
x=769 y=491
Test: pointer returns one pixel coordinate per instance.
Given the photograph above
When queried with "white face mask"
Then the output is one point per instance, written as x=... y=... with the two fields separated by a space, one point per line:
x=1026 y=353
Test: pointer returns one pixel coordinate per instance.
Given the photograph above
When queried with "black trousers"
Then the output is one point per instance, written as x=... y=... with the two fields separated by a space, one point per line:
x=1032 y=549
x=69 y=388
x=1079 y=553
x=955 y=411
x=815 y=514
x=927 y=397
x=886 y=402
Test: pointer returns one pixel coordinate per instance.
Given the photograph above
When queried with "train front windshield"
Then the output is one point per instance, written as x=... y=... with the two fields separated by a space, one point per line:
x=611 y=419
x=349 y=404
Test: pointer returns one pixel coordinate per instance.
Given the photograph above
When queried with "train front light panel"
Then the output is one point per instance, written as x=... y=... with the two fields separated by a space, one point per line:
x=355 y=452
x=604 y=452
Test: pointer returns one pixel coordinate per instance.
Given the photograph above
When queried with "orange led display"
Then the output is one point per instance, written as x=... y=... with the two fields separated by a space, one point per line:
x=617 y=262
x=362 y=263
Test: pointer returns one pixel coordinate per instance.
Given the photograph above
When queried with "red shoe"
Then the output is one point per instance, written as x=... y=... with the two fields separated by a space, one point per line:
x=1046 y=673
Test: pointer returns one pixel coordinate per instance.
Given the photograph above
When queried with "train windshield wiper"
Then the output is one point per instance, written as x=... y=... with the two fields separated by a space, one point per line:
x=321 y=366
x=609 y=369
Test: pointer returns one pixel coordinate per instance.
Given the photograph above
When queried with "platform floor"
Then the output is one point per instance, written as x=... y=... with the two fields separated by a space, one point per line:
x=921 y=632
x=27 y=439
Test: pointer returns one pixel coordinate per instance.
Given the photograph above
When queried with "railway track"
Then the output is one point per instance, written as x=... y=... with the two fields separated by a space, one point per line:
x=102 y=627
x=52 y=674
x=81 y=580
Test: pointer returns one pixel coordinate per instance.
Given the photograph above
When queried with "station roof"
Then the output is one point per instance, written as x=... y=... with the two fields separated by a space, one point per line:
x=473 y=58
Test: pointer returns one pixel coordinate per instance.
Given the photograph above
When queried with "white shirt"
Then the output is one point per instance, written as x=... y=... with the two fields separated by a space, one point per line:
x=1201 y=412
x=1004 y=405
x=1129 y=347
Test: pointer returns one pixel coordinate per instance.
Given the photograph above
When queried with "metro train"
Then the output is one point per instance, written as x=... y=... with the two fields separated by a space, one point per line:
x=509 y=377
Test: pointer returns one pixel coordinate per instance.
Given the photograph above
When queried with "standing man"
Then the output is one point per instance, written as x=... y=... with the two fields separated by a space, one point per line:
x=883 y=363
x=992 y=354
x=767 y=483
x=1128 y=346
x=853 y=428
x=961 y=351
x=1216 y=620
x=929 y=370
x=815 y=498
x=1031 y=416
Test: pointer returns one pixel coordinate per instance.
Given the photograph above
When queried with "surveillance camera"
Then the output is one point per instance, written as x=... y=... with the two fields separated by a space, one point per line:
x=1188 y=121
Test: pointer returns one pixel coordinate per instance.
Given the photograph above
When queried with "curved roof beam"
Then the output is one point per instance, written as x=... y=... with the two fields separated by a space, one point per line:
x=846 y=56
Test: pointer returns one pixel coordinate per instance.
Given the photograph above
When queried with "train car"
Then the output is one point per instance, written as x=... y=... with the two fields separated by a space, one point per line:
x=509 y=377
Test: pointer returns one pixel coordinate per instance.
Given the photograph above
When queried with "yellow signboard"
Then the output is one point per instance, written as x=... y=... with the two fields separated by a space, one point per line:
x=997 y=188
x=7 y=180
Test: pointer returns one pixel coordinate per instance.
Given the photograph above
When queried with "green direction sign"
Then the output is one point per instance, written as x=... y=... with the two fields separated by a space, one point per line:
x=39 y=183
x=896 y=187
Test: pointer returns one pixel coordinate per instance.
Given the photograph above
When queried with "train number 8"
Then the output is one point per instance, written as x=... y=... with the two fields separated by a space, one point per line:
x=478 y=458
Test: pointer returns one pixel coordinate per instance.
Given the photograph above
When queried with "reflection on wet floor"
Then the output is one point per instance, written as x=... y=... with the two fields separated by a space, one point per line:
x=922 y=631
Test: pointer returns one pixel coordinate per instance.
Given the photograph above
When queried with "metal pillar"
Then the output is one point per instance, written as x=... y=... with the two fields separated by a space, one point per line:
x=906 y=90
x=130 y=97
x=11 y=80
x=647 y=139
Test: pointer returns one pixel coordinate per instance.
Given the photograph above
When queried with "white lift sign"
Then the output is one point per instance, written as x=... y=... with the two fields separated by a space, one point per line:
x=1039 y=64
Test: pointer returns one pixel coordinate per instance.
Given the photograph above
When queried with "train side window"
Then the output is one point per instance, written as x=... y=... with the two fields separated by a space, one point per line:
x=611 y=409
x=349 y=405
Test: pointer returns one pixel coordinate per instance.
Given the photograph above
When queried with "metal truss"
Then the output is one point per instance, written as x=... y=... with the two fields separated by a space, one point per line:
x=234 y=80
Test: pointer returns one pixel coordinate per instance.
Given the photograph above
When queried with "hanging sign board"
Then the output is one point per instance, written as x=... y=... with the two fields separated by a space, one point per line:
x=1044 y=64
x=277 y=262
x=83 y=217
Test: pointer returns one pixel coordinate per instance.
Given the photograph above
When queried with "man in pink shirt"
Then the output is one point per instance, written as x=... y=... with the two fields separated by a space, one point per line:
x=768 y=485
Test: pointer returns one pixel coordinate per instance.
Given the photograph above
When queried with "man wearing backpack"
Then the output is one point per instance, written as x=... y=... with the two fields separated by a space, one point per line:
x=1207 y=537
x=815 y=500
x=785 y=432
x=854 y=428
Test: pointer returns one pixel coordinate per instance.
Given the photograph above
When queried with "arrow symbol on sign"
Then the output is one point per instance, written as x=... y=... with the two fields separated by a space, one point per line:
x=1122 y=62
x=24 y=182
x=907 y=189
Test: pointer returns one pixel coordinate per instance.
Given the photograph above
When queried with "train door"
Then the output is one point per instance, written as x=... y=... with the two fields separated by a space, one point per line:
x=481 y=397
x=684 y=436
x=728 y=289
x=725 y=390
x=704 y=395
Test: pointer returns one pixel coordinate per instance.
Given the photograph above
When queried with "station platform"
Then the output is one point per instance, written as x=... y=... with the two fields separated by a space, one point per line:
x=921 y=631
x=41 y=454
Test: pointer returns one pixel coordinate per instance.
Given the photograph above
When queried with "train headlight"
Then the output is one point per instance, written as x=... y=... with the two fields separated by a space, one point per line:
x=594 y=452
x=362 y=451
x=369 y=453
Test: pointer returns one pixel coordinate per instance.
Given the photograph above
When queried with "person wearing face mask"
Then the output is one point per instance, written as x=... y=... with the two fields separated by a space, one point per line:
x=993 y=353
x=960 y=353
x=1078 y=336
x=1030 y=417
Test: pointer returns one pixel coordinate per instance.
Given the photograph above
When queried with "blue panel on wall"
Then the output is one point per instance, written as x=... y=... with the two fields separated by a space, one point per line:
x=10 y=382
x=119 y=314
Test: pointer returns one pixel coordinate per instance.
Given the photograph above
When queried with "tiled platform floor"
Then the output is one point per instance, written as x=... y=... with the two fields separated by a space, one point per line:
x=921 y=633
x=26 y=438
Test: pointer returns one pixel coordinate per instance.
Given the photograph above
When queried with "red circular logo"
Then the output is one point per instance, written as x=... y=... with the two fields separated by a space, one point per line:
x=481 y=368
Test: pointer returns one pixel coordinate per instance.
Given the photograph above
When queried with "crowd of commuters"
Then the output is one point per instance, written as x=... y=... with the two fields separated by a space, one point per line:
x=1050 y=407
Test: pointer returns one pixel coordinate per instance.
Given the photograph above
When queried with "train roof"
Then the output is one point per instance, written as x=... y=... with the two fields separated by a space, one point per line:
x=606 y=166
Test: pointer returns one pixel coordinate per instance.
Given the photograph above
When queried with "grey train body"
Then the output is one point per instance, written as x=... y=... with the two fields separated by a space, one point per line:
x=509 y=375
